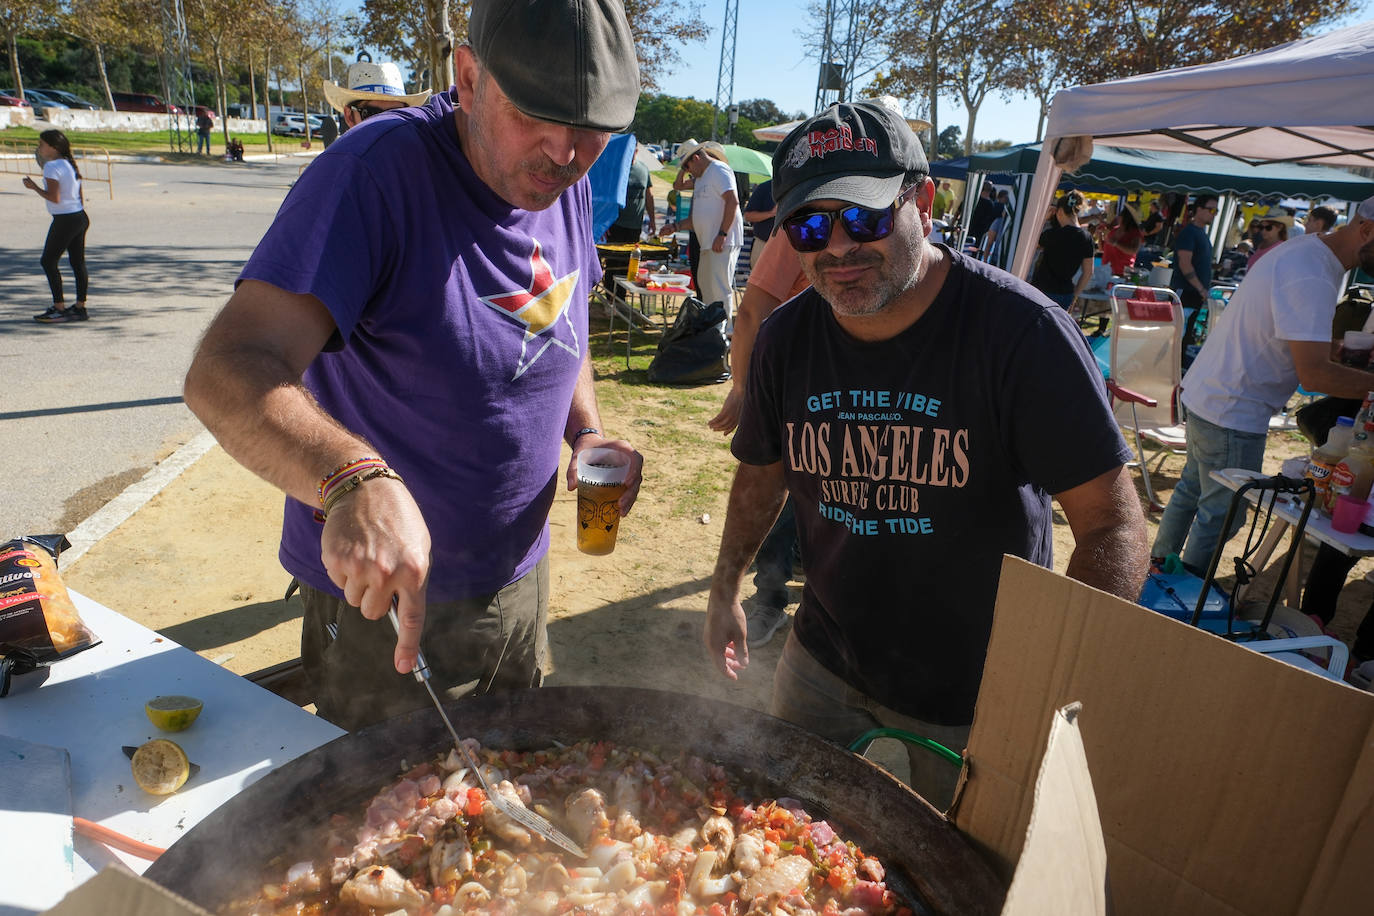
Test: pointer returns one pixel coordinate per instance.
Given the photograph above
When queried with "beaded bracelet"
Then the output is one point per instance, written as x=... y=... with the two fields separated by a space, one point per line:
x=343 y=472
x=342 y=488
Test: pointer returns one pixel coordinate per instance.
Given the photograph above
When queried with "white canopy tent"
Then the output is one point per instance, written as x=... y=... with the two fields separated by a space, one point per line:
x=1306 y=101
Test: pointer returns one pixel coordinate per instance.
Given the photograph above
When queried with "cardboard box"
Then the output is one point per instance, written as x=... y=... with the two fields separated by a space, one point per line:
x=1227 y=782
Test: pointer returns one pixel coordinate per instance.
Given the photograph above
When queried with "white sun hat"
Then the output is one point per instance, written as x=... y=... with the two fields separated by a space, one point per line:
x=368 y=81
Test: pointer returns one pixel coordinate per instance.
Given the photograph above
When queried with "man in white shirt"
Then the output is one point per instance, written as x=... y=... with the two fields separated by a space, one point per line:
x=716 y=222
x=1274 y=334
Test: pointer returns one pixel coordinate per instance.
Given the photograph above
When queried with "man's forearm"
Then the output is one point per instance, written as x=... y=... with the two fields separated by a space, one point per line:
x=756 y=498
x=583 y=413
x=268 y=422
x=1114 y=560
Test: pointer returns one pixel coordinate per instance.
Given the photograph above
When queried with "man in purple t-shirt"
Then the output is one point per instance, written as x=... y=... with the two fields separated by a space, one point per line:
x=920 y=408
x=406 y=350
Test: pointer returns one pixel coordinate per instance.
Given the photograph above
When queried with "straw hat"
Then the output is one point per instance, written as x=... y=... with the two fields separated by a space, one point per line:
x=374 y=82
x=686 y=148
x=1283 y=218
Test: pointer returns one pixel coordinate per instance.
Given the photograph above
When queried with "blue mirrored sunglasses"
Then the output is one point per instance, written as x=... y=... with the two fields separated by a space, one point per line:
x=810 y=231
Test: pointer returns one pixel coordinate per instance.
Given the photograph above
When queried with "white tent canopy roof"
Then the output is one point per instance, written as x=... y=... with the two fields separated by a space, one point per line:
x=1307 y=101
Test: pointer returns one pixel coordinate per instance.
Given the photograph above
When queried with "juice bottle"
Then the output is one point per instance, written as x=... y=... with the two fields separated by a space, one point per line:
x=632 y=274
x=1327 y=456
x=1353 y=474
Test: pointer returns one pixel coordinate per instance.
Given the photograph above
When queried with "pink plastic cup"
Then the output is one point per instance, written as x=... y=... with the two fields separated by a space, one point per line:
x=1348 y=514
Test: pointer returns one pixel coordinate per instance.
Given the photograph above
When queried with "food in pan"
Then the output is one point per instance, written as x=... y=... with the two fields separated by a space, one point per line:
x=663 y=836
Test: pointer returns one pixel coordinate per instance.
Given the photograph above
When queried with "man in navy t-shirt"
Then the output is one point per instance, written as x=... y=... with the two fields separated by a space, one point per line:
x=406 y=352
x=1192 y=277
x=921 y=408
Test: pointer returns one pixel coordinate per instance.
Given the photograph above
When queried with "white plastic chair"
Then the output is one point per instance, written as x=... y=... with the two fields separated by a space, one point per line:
x=1290 y=650
x=1146 y=351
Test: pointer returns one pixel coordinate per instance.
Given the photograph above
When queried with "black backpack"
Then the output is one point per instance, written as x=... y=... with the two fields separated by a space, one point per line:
x=694 y=349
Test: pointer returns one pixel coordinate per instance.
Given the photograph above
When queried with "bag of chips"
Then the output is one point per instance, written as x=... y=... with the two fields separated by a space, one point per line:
x=39 y=624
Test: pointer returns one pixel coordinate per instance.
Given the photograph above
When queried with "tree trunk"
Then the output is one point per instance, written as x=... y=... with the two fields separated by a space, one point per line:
x=14 y=65
x=104 y=77
x=266 y=94
x=252 y=88
x=221 y=95
x=439 y=43
x=305 y=99
x=933 y=90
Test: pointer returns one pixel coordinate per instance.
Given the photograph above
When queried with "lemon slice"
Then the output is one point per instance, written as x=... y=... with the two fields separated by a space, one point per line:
x=173 y=713
x=161 y=767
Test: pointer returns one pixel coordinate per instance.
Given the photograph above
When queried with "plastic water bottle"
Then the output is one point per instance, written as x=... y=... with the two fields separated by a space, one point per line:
x=633 y=273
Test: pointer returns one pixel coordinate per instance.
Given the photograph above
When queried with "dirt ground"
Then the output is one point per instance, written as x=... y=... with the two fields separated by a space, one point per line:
x=198 y=562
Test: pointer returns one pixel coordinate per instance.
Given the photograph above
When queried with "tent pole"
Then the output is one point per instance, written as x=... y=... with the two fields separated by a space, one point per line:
x=1033 y=213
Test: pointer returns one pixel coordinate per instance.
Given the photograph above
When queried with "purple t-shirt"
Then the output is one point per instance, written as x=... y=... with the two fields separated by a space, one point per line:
x=914 y=464
x=462 y=325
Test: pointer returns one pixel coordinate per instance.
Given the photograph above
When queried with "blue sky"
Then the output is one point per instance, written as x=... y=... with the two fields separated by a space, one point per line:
x=770 y=64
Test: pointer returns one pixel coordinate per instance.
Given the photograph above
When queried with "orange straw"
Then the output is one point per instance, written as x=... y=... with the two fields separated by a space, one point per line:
x=115 y=839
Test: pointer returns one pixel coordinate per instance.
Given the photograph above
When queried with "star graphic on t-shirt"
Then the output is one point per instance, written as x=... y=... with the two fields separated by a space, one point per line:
x=538 y=308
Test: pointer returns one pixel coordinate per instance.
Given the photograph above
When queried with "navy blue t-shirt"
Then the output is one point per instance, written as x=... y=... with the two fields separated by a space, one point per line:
x=762 y=199
x=1195 y=239
x=914 y=464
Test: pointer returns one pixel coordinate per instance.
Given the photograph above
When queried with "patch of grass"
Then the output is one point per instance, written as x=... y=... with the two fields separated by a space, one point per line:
x=703 y=490
x=148 y=142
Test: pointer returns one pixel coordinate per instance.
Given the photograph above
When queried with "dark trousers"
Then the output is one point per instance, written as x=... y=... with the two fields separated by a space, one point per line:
x=474 y=646
x=773 y=564
x=202 y=142
x=67 y=233
x=622 y=235
x=1324 y=583
x=1192 y=307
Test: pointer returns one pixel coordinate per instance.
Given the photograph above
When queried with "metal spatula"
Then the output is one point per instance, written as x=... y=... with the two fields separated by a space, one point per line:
x=518 y=813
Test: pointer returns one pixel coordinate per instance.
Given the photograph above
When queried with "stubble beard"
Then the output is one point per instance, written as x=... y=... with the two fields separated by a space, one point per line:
x=888 y=278
x=511 y=188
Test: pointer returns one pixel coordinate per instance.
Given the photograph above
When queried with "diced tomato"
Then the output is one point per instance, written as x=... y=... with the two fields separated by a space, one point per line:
x=772 y=835
x=835 y=879
x=444 y=892
x=475 y=798
x=717 y=910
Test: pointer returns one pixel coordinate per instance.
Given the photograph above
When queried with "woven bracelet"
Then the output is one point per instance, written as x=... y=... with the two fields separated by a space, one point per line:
x=349 y=484
x=343 y=472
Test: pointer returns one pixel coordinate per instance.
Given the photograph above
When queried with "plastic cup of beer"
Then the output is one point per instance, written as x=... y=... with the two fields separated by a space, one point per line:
x=601 y=474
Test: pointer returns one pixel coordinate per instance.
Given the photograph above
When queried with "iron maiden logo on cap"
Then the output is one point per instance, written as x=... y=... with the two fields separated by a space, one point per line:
x=820 y=142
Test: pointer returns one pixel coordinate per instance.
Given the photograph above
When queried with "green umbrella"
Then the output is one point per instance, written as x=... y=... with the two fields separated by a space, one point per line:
x=749 y=161
x=743 y=159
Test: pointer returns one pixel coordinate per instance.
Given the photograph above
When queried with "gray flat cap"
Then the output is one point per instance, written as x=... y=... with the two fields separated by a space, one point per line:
x=567 y=61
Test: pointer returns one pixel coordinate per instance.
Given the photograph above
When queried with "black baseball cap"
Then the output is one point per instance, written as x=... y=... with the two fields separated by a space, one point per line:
x=567 y=61
x=858 y=152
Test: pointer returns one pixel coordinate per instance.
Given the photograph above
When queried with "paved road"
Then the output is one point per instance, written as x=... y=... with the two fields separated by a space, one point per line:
x=87 y=408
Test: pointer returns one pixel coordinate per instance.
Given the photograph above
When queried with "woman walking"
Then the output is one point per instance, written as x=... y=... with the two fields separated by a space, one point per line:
x=61 y=191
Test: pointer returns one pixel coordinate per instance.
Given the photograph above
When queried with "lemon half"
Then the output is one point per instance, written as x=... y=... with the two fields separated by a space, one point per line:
x=161 y=767
x=173 y=713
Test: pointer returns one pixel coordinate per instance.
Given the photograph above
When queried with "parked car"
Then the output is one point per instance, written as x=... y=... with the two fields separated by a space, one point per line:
x=70 y=99
x=293 y=125
x=142 y=101
x=12 y=100
x=38 y=100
